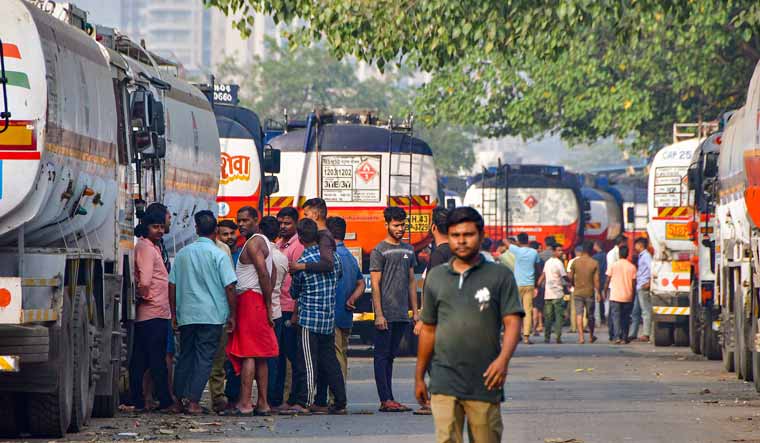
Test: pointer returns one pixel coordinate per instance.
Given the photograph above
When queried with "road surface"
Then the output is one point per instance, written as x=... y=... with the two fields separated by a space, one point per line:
x=555 y=393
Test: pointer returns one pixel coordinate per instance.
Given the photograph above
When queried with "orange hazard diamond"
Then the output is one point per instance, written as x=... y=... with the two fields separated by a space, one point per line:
x=366 y=171
x=530 y=202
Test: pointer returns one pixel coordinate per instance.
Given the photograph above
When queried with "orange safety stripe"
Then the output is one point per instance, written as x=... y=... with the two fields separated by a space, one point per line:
x=681 y=211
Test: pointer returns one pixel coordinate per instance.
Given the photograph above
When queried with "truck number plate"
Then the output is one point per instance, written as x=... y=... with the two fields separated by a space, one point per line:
x=419 y=223
x=677 y=231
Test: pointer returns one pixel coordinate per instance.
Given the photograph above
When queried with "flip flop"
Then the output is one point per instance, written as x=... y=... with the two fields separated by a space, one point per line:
x=236 y=413
x=259 y=413
x=423 y=411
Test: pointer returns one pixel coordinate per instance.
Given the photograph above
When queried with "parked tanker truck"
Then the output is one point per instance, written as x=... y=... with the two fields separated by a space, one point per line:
x=86 y=130
x=738 y=249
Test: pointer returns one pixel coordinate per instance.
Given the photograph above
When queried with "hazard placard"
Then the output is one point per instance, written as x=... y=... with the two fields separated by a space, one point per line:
x=677 y=231
x=351 y=178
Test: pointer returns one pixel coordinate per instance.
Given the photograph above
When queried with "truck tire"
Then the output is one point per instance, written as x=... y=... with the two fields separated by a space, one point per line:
x=681 y=335
x=84 y=384
x=710 y=343
x=755 y=356
x=106 y=405
x=50 y=414
x=742 y=357
x=663 y=334
x=695 y=326
x=9 y=419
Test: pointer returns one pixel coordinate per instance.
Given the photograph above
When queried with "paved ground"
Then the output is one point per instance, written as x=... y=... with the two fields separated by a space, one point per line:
x=555 y=393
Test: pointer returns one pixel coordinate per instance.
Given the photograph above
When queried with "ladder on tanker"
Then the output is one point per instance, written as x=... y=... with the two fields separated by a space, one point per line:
x=495 y=212
x=401 y=169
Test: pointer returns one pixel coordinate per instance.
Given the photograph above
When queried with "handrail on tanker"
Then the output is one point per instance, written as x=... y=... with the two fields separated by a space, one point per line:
x=686 y=131
x=5 y=115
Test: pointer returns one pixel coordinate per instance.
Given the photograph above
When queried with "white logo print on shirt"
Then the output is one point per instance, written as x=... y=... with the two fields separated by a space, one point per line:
x=483 y=296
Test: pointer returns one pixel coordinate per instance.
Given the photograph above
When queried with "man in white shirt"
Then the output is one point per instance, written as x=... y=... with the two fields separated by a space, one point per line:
x=612 y=256
x=270 y=227
x=554 y=306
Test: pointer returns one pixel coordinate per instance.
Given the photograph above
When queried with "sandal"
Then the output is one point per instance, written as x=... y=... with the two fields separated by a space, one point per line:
x=237 y=413
x=260 y=413
x=424 y=410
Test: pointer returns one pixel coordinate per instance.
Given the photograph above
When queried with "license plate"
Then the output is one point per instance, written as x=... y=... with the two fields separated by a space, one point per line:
x=419 y=223
x=680 y=266
x=677 y=231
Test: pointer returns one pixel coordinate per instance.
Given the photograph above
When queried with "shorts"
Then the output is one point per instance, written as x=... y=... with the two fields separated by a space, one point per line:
x=585 y=302
x=171 y=345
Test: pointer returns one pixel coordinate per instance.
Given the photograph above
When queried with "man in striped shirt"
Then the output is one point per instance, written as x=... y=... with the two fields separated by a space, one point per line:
x=315 y=294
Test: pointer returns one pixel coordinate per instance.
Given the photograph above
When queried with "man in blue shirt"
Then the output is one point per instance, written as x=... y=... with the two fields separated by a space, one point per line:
x=315 y=295
x=202 y=299
x=349 y=288
x=643 y=306
x=526 y=261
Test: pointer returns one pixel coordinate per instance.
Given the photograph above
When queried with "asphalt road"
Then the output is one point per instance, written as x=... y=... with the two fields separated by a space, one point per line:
x=555 y=393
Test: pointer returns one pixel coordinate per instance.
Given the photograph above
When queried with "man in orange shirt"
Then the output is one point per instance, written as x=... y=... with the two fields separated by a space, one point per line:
x=622 y=278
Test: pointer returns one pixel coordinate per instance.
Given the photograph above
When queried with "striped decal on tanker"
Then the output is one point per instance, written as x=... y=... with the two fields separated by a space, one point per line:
x=284 y=201
x=681 y=211
x=669 y=310
x=416 y=200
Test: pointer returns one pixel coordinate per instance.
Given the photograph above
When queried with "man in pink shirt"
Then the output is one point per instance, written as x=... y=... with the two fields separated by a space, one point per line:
x=287 y=339
x=153 y=315
x=622 y=281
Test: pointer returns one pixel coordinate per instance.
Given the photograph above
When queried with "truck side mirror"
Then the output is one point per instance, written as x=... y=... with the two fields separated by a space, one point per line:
x=270 y=185
x=693 y=177
x=451 y=203
x=711 y=165
x=630 y=215
x=157 y=122
x=271 y=160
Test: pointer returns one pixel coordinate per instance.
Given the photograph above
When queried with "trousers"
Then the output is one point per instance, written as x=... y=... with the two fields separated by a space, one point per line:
x=341 y=352
x=386 y=345
x=484 y=423
x=149 y=353
x=197 y=345
x=554 y=315
x=316 y=360
x=621 y=313
x=526 y=297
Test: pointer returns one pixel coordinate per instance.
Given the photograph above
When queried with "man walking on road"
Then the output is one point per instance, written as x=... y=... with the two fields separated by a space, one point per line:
x=315 y=359
x=601 y=260
x=349 y=288
x=644 y=297
x=253 y=341
x=613 y=255
x=621 y=280
x=584 y=274
x=202 y=298
x=526 y=261
x=554 y=305
x=467 y=303
x=394 y=293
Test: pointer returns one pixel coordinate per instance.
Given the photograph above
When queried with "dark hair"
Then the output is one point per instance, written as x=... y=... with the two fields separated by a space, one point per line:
x=158 y=208
x=288 y=212
x=588 y=247
x=522 y=238
x=643 y=241
x=269 y=227
x=337 y=227
x=228 y=224
x=556 y=246
x=620 y=240
x=486 y=244
x=205 y=222
x=535 y=245
x=623 y=251
x=318 y=204
x=251 y=211
x=440 y=220
x=307 y=230
x=153 y=218
x=394 y=213
x=466 y=214
x=550 y=240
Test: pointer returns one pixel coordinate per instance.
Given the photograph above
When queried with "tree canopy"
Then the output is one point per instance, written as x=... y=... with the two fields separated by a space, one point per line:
x=307 y=78
x=586 y=69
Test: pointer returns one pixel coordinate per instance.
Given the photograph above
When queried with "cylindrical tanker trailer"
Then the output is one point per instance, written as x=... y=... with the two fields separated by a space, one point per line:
x=90 y=132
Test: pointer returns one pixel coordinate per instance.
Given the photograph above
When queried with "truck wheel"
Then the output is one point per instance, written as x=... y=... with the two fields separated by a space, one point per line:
x=710 y=344
x=9 y=426
x=695 y=326
x=84 y=384
x=755 y=357
x=663 y=334
x=681 y=335
x=742 y=357
x=106 y=405
x=50 y=414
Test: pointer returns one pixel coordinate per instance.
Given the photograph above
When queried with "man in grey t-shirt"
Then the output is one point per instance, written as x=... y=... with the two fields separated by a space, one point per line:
x=394 y=293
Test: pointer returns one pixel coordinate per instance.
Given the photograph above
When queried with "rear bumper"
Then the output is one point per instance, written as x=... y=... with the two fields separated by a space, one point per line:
x=21 y=345
x=670 y=307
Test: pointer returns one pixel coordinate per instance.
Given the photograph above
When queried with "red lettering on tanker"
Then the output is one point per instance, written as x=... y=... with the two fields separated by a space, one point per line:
x=530 y=202
x=366 y=171
x=235 y=167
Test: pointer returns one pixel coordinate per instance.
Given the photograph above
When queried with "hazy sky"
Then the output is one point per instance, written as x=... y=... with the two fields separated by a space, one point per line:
x=101 y=12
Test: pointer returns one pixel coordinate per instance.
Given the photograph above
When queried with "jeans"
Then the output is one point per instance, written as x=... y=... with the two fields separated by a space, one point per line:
x=316 y=360
x=635 y=317
x=554 y=315
x=610 y=322
x=273 y=365
x=287 y=339
x=644 y=298
x=198 y=344
x=386 y=345
x=621 y=313
x=150 y=353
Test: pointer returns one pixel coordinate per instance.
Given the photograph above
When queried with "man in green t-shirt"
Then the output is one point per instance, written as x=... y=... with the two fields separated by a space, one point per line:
x=467 y=301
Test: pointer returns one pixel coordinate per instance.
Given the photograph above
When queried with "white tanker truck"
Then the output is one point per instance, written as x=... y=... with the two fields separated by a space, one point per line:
x=86 y=130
